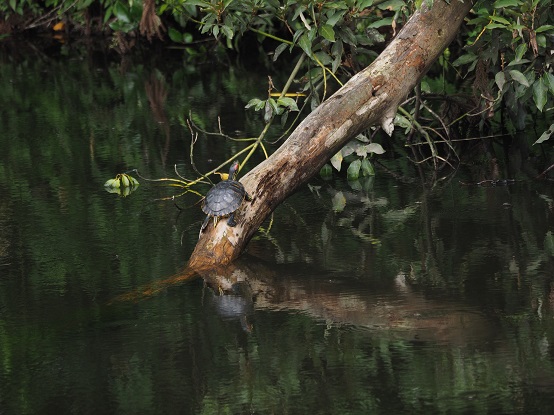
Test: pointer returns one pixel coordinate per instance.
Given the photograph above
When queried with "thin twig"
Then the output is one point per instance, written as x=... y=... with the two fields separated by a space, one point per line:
x=544 y=172
x=454 y=140
x=45 y=20
x=193 y=139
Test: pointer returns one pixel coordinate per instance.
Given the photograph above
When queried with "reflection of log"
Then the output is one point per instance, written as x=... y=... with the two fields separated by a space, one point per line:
x=370 y=97
x=398 y=311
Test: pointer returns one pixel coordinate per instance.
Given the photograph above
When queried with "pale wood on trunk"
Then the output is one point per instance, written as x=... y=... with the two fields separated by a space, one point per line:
x=371 y=97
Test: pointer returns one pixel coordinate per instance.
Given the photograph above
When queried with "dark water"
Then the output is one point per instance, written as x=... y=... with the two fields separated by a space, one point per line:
x=380 y=296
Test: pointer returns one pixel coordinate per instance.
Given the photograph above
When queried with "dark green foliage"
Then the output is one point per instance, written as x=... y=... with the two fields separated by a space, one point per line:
x=500 y=67
x=507 y=48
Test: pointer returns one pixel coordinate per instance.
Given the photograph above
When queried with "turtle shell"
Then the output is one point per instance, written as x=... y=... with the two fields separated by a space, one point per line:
x=224 y=198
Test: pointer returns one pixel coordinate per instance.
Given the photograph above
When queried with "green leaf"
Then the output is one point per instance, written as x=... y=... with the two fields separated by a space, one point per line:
x=353 y=172
x=187 y=38
x=520 y=51
x=544 y=28
x=499 y=20
x=518 y=27
x=465 y=59
x=347 y=36
x=121 y=12
x=289 y=103
x=335 y=17
x=500 y=79
x=402 y=121
x=519 y=77
x=275 y=107
x=518 y=62
x=175 y=35
x=367 y=168
x=268 y=111
x=392 y=5
x=196 y=3
x=336 y=161
x=350 y=148
x=550 y=82
x=506 y=3
x=326 y=171
x=227 y=31
x=387 y=21
x=306 y=45
x=546 y=135
x=375 y=148
x=327 y=32
x=278 y=50
x=539 y=93
x=255 y=102
x=491 y=26
x=323 y=58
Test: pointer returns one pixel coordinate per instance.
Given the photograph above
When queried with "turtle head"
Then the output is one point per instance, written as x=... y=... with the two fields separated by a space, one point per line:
x=233 y=170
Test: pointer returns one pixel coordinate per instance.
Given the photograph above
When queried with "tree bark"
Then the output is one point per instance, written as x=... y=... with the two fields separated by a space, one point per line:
x=370 y=97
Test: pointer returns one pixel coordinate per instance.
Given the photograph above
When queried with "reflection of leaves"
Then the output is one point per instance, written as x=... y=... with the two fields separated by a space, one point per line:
x=367 y=168
x=326 y=171
x=339 y=202
x=401 y=215
x=353 y=171
x=549 y=243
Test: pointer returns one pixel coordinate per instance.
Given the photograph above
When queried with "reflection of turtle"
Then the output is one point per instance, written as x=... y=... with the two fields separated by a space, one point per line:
x=224 y=199
x=237 y=305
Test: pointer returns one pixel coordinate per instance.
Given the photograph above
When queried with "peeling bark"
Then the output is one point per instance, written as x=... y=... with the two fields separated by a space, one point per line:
x=370 y=97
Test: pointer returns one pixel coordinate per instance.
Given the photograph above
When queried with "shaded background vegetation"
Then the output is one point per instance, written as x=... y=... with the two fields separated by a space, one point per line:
x=75 y=115
x=495 y=79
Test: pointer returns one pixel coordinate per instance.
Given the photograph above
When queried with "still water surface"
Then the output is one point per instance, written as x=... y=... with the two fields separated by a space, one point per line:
x=378 y=296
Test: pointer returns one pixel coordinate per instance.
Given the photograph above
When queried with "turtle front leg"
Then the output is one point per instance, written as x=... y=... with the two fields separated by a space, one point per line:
x=205 y=223
x=231 y=220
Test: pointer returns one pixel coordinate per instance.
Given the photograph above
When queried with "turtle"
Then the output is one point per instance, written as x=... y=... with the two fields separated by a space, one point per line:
x=224 y=199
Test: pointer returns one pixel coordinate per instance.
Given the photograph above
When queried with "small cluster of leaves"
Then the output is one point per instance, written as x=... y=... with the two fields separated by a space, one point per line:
x=514 y=38
x=271 y=107
x=127 y=15
x=123 y=184
x=357 y=154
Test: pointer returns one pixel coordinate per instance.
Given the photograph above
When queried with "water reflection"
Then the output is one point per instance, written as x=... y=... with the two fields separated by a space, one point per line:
x=400 y=313
x=381 y=296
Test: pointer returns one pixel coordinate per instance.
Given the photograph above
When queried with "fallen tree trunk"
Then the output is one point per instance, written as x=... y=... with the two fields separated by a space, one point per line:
x=370 y=97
